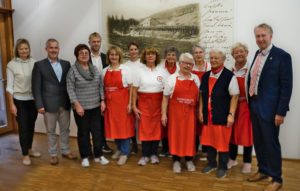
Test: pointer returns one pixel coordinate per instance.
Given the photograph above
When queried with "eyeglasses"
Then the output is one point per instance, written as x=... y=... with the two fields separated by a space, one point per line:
x=187 y=63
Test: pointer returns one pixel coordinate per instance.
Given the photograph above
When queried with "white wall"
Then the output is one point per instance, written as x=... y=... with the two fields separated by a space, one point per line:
x=71 y=21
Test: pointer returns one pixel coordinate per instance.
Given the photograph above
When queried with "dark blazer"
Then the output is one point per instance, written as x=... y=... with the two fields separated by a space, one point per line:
x=275 y=84
x=47 y=91
x=103 y=59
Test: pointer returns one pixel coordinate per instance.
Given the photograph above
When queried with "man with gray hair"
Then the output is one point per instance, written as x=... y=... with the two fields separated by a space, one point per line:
x=51 y=99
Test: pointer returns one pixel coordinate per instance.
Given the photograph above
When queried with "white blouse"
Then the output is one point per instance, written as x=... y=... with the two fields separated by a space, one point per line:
x=150 y=81
x=170 y=85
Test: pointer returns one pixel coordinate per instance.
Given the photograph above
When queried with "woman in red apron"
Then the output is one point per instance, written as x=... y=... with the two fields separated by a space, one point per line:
x=218 y=102
x=147 y=97
x=242 y=127
x=201 y=66
x=118 y=117
x=170 y=66
x=180 y=98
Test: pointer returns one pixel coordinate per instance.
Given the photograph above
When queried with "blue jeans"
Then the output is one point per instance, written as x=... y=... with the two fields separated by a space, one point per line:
x=123 y=146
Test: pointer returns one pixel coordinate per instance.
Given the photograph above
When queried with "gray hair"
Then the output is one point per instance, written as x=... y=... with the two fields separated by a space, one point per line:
x=186 y=57
x=219 y=51
x=197 y=46
x=171 y=49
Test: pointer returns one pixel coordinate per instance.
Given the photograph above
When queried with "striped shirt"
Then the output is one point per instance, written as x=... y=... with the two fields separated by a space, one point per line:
x=87 y=93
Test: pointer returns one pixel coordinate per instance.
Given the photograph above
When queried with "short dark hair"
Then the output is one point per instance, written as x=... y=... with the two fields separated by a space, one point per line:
x=172 y=49
x=133 y=44
x=51 y=40
x=80 y=47
x=265 y=26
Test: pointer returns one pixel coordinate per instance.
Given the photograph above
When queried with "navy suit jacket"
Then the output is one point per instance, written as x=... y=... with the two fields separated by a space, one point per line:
x=47 y=91
x=275 y=84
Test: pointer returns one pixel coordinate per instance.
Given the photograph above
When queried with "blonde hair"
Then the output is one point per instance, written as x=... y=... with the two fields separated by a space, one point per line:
x=95 y=34
x=264 y=26
x=18 y=44
x=239 y=45
x=118 y=51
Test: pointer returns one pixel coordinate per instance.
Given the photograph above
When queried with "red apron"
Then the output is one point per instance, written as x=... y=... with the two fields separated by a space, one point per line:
x=118 y=122
x=199 y=126
x=150 y=120
x=217 y=136
x=242 y=127
x=182 y=119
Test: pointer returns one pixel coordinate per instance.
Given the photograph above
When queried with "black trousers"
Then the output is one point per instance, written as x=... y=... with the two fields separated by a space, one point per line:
x=212 y=158
x=26 y=117
x=165 y=144
x=149 y=148
x=103 y=139
x=178 y=158
x=88 y=124
x=247 y=155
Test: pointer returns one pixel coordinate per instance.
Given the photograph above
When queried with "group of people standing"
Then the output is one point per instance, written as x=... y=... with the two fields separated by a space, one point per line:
x=183 y=103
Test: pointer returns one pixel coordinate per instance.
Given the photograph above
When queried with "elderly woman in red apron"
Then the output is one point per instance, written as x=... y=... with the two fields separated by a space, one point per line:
x=201 y=66
x=147 y=96
x=170 y=66
x=118 y=117
x=218 y=102
x=180 y=98
x=242 y=127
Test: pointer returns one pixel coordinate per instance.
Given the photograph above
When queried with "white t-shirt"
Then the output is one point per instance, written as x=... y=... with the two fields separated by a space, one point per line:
x=233 y=85
x=170 y=84
x=125 y=72
x=150 y=81
x=133 y=66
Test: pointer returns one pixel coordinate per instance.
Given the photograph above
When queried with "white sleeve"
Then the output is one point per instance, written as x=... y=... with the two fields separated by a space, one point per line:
x=169 y=86
x=233 y=86
x=127 y=76
x=10 y=81
x=136 y=81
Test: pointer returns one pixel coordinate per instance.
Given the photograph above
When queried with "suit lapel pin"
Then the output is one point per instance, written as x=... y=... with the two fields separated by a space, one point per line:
x=270 y=58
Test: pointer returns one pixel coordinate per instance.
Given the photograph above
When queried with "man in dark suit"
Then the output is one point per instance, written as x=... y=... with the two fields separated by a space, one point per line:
x=99 y=60
x=269 y=85
x=51 y=99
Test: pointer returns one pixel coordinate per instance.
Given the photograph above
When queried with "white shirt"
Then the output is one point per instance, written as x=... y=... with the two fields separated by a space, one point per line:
x=233 y=85
x=205 y=68
x=125 y=72
x=150 y=81
x=265 y=54
x=241 y=72
x=133 y=66
x=170 y=84
x=96 y=60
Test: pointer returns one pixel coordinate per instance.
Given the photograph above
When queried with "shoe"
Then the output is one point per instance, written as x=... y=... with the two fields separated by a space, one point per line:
x=208 y=169
x=257 y=177
x=154 y=159
x=134 y=148
x=190 y=166
x=273 y=186
x=69 y=156
x=85 y=162
x=34 y=154
x=106 y=149
x=246 y=168
x=164 y=154
x=221 y=173
x=102 y=160
x=26 y=160
x=203 y=156
x=116 y=155
x=143 y=161
x=122 y=160
x=176 y=167
x=53 y=160
x=231 y=163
